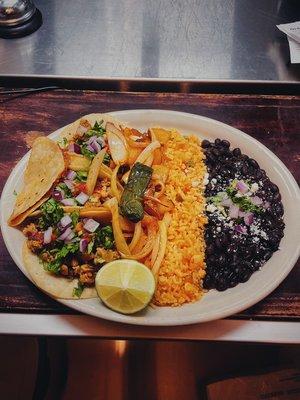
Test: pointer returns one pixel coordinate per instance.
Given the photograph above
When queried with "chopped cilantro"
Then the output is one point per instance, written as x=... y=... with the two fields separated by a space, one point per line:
x=60 y=255
x=105 y=237
x=51 y=214
x=62 y=143
x=15 y=193
x=65 y=188
x=86 y=152
x=97 y=130
x=75 y=217
x=97 y=127
x=81 y=176
x=245 y=204
x=53 y=267
x=77 y=291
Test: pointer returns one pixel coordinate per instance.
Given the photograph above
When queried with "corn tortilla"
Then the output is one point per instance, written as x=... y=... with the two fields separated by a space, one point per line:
x=46 y=164
x=56 y=286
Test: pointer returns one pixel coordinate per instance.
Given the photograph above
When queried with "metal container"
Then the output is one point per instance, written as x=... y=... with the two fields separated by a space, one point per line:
x=18 y=18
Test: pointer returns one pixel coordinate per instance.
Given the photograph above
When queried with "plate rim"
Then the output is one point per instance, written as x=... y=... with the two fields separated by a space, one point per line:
x=175 y=321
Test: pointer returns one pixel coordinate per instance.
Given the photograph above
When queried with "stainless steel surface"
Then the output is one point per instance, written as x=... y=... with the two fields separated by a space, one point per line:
x=15 y=12
x=164 y=39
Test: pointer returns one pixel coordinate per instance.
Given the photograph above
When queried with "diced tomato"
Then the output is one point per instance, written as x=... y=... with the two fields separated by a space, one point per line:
x=79 y=187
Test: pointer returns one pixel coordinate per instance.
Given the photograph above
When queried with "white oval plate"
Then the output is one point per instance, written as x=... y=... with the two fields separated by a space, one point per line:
x=213 y=305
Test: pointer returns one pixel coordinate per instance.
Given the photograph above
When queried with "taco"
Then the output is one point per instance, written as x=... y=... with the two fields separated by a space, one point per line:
x=46 y=164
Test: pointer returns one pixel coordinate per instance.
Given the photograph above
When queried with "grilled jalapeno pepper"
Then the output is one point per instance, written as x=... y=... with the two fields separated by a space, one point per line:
x=131 y=205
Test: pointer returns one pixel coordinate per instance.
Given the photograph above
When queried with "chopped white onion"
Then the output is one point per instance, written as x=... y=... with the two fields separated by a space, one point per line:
x=81 y=130
x=69 y=238
x=48 y=235
x=69 y=184
x=66 y=221
x=91 y=225
x=65 y=234
x=68 y=202
x=82 y=198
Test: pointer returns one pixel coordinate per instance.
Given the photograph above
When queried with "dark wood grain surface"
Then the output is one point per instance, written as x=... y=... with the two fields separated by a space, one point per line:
x=273 y=120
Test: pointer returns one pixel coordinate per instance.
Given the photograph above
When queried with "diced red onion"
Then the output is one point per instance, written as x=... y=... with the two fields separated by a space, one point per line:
x=91 y=225
x=48 y=235
x=68 y=202
x=90 y=148
x=66 y=221
x=242 y=187
x=267 y=205
x=241 y=213
x=75 y=148
x=57 y=194
x=91 y=140
x=82 y=198
x=69 y=184
x=248 y=218
x=234 y=211
x=226 y=202
x=65 y=234
x=96 y=146
x=83 y=245
x=71 y=175
x=240 y=229
x=256 y=200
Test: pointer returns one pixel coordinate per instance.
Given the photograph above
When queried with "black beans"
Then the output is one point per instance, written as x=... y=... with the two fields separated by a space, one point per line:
x=236 y=152
x=253 y=163
x=225 y=144
x=232 y=258
x=205 y=144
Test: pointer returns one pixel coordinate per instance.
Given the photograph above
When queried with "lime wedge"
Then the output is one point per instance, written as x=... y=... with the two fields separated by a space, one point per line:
x=125 y=286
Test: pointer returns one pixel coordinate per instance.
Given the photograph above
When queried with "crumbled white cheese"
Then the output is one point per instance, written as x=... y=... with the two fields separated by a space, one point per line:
x=205 y=179
x=218 y=229
x=211 y=208
x=214 y=180
x=239 y=194
x=254 y=187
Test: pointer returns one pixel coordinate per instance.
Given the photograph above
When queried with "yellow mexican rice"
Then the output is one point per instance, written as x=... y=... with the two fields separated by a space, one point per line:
x=181 y=273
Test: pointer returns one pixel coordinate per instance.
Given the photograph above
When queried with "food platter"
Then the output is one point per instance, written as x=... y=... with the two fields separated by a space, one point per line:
x=214 y=304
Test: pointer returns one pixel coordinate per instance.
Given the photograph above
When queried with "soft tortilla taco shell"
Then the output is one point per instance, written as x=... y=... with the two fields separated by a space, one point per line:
x=45 y=165
x=56 y=286
x=69 y=131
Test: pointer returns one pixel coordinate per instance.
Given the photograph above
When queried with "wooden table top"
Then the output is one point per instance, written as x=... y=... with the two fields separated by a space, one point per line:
x=273 y=120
